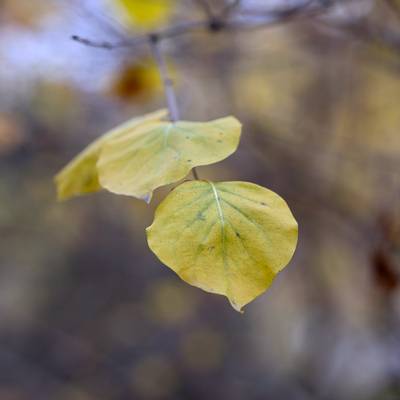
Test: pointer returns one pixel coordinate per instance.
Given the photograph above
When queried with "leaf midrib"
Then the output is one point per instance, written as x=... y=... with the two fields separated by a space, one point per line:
x=222 y=220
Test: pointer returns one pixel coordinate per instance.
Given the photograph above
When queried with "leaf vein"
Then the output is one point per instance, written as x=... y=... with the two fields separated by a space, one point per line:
x=241 y=197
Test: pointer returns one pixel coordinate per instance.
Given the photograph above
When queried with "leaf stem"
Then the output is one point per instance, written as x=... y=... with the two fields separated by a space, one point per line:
x=195 y=174
x=167 y=81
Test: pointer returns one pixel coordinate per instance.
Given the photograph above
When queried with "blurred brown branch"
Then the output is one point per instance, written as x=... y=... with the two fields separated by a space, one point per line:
x=233 y=17
x=226 y=20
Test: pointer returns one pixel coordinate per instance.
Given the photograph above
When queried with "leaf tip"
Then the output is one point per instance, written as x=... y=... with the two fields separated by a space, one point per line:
x=236 y=307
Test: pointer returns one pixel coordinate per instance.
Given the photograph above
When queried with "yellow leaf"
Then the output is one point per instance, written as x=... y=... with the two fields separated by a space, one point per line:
x=160 y=153
x=229 y=238
x=136 y=81
x=80 y=175
x=146 y=13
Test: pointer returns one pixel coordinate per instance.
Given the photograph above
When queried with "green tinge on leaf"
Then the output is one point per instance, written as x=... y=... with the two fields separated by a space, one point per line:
x=161 y=153
x=80 y=175
x=229 y=238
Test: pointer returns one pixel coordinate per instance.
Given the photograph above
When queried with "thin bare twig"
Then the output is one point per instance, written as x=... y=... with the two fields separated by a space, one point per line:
x=97 y=44
x=284 y=16
x=167 y=33
x=282 y=12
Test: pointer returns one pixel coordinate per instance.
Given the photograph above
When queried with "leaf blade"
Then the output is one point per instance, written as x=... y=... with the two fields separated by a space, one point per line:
x=162 y=153
x=80 y=175
x=221 y=242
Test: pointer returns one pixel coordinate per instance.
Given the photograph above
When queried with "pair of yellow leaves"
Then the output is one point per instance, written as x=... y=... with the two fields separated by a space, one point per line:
x=146 y=153
x=229 y=238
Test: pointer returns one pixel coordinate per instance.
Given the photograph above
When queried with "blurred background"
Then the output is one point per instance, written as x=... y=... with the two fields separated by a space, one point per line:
x=87 y=312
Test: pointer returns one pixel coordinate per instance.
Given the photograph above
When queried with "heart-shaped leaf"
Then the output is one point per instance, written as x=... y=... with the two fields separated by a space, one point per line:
x=80 y=175
x=160 y=153
x=229 y=238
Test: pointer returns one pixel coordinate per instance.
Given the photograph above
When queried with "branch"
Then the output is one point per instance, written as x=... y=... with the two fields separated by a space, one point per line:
x=283 y=16
x=167 y=33
x=214 y=24
x=98 y=44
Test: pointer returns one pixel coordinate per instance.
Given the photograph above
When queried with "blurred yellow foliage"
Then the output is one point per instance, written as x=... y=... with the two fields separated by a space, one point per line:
x=146 y=13
x=136 y=81
x=369 y=117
